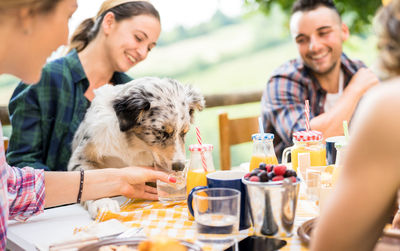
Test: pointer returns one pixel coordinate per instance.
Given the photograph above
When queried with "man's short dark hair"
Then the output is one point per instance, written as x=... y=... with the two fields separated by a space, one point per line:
x=307 y=5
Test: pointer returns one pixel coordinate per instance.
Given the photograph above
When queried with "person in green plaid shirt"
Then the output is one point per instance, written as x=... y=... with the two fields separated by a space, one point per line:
x=45 y=116
x=25 y=192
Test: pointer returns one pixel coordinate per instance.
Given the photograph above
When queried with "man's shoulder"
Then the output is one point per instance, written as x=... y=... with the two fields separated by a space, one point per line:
x=352 y=65
x=292 y=70
x=288 y=68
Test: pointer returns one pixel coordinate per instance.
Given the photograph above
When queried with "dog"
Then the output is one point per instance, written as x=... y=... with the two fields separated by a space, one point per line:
x=140 y=123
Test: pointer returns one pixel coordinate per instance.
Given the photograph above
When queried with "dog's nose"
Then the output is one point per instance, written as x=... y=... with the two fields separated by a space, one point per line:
x=178 y=166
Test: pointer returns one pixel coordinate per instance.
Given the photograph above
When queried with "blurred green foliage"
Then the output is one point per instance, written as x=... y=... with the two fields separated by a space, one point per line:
x=178 y=33
x=358 y=14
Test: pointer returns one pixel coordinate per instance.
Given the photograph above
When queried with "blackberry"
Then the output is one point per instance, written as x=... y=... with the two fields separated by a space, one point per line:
x=262 y=166
x=263 y=176
x=290 y=173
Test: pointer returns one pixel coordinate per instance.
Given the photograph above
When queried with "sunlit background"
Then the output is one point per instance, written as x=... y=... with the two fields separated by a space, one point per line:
x=219 y=46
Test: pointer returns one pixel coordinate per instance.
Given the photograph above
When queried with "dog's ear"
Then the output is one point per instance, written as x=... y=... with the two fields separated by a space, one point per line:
x=195 y=100
x=130 y=109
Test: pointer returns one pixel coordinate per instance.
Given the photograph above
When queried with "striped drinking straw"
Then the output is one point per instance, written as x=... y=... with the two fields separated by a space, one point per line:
x=307 y=112
x=203 y=159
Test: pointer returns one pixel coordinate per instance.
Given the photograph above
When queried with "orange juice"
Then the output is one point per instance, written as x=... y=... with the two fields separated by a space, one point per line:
x=317 y=156
x=257 y=159
x=195 y=178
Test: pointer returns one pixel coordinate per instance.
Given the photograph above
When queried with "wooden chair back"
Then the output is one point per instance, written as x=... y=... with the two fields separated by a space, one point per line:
x=5 y=120
x=233 y=132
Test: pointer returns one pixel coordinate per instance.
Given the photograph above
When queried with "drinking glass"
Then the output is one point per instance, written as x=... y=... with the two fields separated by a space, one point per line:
x=173 y=191
x=216 y=213
x=313 y=182
x=324 y=194
x=318 y=177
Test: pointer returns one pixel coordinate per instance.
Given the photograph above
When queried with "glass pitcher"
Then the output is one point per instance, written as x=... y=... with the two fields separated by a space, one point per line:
x=263 y=150
x=306 y=141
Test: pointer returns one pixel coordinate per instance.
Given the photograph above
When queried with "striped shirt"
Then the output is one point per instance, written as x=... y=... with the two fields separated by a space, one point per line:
x=21 y=193
x=45 y=116
x=286 y=91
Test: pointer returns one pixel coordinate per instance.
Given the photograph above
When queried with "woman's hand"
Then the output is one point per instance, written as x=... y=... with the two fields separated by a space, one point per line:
x=134 y=179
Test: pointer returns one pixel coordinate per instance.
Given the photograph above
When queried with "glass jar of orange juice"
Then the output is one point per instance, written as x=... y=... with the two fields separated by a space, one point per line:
x=201 y=163
x=306 y=141
x=263 y=150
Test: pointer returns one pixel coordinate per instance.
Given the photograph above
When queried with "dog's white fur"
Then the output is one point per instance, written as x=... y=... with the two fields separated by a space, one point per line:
x=140 y=123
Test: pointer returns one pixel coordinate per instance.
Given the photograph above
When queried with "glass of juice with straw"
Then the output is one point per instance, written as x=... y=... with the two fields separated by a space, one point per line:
x=201 y=163
x=306 y=141
x=310 y=142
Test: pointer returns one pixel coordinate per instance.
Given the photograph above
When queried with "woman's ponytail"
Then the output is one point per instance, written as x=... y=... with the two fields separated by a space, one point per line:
x=82 y=36
x=122 y=9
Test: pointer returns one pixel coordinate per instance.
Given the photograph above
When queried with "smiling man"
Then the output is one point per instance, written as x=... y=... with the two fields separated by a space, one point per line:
x=323 y=74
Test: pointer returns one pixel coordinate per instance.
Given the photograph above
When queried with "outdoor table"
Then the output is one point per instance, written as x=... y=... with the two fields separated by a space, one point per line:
x=171 y=218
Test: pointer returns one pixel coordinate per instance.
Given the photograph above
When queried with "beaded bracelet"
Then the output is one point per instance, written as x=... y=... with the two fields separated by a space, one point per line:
x=78 y=200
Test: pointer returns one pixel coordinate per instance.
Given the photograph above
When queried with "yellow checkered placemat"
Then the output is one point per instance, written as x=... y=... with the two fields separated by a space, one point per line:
x=172 y=219
x=168 y=218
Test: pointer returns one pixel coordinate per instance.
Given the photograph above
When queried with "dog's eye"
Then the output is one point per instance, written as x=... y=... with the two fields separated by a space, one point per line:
x=166 y=135
x=183 y=134
x=191 y=111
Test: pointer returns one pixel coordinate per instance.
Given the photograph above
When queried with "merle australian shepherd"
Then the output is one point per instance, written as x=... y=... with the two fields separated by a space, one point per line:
x=140 y=123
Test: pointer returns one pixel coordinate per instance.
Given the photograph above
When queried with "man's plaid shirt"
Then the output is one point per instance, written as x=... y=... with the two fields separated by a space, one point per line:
x=286 y=91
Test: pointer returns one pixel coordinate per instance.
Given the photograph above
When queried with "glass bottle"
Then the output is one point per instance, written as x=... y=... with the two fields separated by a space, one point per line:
x=201 y=163
x=263 y=150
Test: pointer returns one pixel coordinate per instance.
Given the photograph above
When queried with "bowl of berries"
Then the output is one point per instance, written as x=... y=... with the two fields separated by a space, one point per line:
x=272 y=191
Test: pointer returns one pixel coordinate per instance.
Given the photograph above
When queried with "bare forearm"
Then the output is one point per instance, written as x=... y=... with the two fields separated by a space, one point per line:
x=331 y=123
x=368 y=182
x=63 y=187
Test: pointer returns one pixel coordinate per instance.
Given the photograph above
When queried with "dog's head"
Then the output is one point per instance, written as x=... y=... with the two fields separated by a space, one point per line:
x=158 y=112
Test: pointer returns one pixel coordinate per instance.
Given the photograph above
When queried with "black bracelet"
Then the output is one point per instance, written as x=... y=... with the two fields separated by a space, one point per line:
x=78 y=200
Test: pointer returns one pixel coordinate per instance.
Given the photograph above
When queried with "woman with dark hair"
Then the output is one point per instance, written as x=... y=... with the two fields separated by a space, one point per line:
x=29 y=31
x=368 y=184
x=45 y=116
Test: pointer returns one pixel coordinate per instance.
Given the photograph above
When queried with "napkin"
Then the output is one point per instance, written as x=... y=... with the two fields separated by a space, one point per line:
x=88 y=234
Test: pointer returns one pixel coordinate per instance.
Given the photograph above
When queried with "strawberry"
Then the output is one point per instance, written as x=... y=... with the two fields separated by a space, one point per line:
x=254 y=178
x=277 y=178
x=279 y=170
x=247 y=175
x=269 y=168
